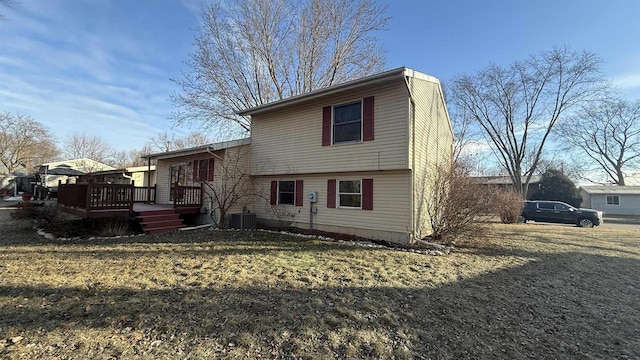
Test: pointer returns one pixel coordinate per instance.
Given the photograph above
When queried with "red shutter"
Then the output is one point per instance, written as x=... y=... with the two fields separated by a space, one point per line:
x=210 y=170
x=274 y=192
x=331 y=193
x=299 y=193
x=195 y=170
x=367 y=119
x=367 y=194
x=326 y=126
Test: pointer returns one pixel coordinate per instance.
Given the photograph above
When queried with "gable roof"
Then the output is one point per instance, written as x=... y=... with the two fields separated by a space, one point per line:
x=399 y=73
x=77 y=162
x=611 y=190
x=198 y=149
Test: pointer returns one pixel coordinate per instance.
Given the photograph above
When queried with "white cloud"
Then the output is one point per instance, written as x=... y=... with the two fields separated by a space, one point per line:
x=75 y=76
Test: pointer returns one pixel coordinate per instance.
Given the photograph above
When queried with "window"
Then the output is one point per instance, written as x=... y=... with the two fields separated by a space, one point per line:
x=349 y=194
x=547 y=206
x=613 y=200
x=203 y=166
x=347 y=122
x=202 y=170
x=286 y=192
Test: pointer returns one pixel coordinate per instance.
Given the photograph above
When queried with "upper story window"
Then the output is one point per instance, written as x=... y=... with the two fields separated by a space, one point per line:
x=286 y=192
x=347 y=122
x=613 y=200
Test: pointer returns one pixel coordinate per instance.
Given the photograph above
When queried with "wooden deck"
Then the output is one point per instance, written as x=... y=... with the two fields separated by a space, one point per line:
x=100 y=200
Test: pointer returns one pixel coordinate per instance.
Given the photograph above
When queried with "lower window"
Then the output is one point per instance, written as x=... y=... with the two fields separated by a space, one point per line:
x=349 y=194
x=613 y=200
x=286 y=192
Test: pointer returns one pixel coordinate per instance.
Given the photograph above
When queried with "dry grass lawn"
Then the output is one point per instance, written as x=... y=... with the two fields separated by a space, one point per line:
x=524 y=291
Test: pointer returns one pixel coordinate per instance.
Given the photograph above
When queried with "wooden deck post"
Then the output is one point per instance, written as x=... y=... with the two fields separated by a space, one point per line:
x=149 y=180
x=201 y=194
x=88 y=199
x=132 y=195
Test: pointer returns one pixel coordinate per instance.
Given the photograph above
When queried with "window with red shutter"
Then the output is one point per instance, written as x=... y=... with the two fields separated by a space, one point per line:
x=299 y=193
x=274 y=192
x=210 y=169
x=195 y=170
x=331 y=193
x=367 y=119
x=367 y=194
x=326 y=126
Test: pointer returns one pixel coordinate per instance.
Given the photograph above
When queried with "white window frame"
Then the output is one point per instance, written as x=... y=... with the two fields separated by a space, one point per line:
x=294 y=193
x=333 y=124
x=612 y=198
x=338 y=193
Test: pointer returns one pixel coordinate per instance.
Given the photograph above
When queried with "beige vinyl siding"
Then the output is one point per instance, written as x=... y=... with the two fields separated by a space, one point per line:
x=290 y=141
x=431 y=144
x=391 y=202
x=162 y=171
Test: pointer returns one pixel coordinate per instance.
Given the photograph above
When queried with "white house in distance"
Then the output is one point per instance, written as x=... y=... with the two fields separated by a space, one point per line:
x=612 y=200
x=53 y=172
x=351 y=158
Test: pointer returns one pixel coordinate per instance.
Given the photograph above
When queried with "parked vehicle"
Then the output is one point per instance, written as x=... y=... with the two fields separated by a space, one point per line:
x=559 y=212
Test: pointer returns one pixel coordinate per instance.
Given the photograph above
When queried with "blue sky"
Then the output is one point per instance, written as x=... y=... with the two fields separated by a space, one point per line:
x=104 y=67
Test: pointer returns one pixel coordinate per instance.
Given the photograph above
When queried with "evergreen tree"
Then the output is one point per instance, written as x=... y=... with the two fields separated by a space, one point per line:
x=555 y=185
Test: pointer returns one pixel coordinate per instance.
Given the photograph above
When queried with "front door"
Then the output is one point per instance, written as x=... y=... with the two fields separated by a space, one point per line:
x=177 y=176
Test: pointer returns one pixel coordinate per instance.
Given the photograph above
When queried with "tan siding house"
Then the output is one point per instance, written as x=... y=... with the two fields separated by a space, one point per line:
x=347 y=158
x=367 y=180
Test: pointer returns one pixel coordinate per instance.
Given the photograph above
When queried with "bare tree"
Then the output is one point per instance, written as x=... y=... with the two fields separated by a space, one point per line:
x=77 y=146
x=607 y=133
x=232 y=184
x=252 y=52
x=24 y=142
x=5 y=3
x=518 y=106
x=128 y=158
x=464 y=134
x=169 y=142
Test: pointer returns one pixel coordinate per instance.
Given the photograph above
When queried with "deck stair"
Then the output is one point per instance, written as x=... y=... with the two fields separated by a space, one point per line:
x=159 y=221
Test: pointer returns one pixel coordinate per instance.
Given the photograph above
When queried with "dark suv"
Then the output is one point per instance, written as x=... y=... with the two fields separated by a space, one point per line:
x=559 y=212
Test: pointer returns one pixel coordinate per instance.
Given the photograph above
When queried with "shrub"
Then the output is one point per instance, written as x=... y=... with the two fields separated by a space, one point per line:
x=26 y=210
x=114 y=227
x=507 y=205
x=451 y=204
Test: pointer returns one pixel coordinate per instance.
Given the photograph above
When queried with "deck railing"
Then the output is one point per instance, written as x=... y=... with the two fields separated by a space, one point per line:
x=102 y=196
x=96 y=196
x=187 y=196
x=144 y=194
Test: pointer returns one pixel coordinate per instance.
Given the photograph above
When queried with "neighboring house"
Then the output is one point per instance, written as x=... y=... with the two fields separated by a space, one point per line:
x=53 y=172
x=15 y=183
x=505 y=183
x=139 y=175
x=612 y=200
